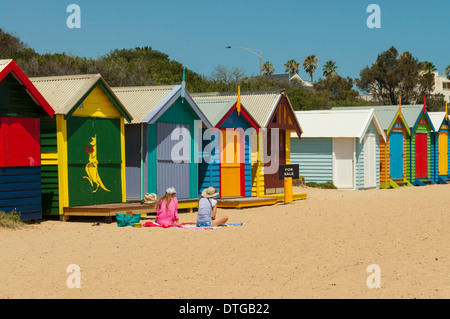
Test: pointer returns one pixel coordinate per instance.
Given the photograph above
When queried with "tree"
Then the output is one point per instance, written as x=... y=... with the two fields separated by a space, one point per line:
x=310 y=65
x=329 y=68
x=393 y=76
x=291 y=66
x=447 y=71
x=268 y=68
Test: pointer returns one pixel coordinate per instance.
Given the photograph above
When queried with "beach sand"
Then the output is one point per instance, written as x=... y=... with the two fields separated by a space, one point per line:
x=320 y=247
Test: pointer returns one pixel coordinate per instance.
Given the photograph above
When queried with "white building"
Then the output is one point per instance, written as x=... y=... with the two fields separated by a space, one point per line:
x=442 y=86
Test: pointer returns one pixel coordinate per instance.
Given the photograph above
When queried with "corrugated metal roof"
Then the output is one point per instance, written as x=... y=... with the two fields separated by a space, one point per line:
x=386 y=113
x=140 y=101
x=215 y=109
x=337 y=123
x=148 y=103
x=436 y=119
x=65 y=92
x=260 y=104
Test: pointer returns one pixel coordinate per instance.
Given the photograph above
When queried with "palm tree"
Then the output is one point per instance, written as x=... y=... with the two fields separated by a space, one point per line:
x=447 y=71
x=268 y=68
x=291 y=67
x=329 y=68
x=428 y=67
x=310 y=65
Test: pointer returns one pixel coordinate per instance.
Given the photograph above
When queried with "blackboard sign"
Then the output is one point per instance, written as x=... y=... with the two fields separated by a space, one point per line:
x=289 y=171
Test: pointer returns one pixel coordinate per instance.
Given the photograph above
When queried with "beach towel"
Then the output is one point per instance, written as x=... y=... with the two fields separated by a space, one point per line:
x=194 y=226
x=154 y=224
x=190 y=226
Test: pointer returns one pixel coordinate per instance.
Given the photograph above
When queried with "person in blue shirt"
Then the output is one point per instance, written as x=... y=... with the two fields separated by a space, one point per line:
x=207 y=210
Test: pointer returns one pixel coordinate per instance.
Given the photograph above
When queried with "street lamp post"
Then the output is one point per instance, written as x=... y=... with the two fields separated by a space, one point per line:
x=254 y=51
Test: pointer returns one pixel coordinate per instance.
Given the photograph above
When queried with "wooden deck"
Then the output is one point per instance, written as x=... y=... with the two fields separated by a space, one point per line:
x=109 y=210
x=245 y=202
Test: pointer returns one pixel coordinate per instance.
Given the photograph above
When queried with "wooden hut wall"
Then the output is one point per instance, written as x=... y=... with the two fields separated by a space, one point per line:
x=94 y=128
x=440 y=148
x=314 y=157
x=245 y=179
x=390 y=150
x=20 y=165
x=421 y=135
x=180 y=114
x=362 y=163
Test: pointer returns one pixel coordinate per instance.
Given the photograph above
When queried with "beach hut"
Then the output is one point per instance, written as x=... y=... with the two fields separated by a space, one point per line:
x=229 y=171
x=274 y=115
x=440 y=161
x=83 y=147
x=165 y=120
x=419 y=145
x=339 y=146
x=393 y=152
x=21 y=108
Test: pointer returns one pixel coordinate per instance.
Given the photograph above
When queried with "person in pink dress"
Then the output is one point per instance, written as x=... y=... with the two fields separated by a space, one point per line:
x=167 y=208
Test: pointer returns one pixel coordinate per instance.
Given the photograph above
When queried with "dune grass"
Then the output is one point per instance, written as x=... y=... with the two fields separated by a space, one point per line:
x=10 y=220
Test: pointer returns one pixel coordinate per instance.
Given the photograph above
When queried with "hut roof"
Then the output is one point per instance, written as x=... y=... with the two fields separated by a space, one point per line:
x=148 y=103
x=338 y=123
x=66 y=92
x=10 y=66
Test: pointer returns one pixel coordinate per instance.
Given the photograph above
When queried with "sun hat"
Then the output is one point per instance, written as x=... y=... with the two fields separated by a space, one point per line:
x=171 y=190
x=150 y=198
x=210 y=192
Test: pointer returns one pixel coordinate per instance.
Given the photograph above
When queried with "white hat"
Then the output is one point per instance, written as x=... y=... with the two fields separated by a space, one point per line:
x=171 y=190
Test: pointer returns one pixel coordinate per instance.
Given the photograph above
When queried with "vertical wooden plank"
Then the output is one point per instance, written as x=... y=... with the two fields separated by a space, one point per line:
x=63 y=178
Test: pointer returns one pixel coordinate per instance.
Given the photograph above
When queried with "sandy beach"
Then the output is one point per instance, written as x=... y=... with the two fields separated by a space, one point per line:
x=315 y=248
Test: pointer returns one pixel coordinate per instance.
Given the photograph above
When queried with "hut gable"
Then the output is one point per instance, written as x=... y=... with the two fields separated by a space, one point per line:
x=85 y=95
x=18 y=96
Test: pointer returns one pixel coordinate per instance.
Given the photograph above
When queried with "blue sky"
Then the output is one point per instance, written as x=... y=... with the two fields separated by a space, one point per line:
x=196 y=32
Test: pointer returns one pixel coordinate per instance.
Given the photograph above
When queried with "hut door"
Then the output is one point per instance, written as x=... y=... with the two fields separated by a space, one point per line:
x=370 y=177
x=396 y=152
x=173 y=158
x=94 y=154
x=421 y=156
x=133 y=153
x=230 y=167
x=443 y=153
x=272 y=182
x=343 y=163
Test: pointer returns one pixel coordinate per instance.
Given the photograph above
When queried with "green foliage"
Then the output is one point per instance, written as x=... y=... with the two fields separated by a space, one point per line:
x=393 y=76
x=327 y=185
x=10 y=220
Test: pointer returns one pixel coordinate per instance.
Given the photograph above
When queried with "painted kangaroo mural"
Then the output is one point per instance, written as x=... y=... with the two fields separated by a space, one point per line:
x=92 y=167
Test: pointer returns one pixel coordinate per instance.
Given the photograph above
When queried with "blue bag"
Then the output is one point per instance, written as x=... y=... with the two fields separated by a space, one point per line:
x=124 y=220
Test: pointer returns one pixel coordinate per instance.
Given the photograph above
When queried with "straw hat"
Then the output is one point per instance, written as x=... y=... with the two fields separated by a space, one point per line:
x=171 y=190
x=210 y=192
x=150 y=198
